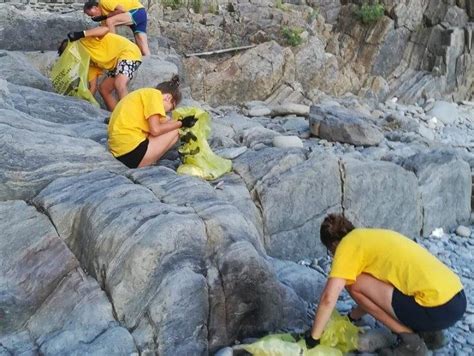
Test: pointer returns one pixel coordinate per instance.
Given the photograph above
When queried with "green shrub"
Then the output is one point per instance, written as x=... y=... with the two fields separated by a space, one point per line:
x=313 y=14
x=292 y=35
x=196 y=5
x=370 y=13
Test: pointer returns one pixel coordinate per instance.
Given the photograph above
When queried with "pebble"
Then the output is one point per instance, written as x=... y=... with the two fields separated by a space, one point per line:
x=287 y=142
x=463 y=231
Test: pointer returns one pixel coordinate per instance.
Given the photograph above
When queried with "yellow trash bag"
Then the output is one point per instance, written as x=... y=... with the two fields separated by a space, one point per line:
x=196 y=155
x=286 y=345
x=340 y=333
x=69 y=73
x=339 y=337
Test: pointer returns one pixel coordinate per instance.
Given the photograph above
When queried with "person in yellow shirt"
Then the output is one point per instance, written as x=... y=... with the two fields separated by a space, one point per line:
x=139 y=131
x=93 y=76
x=392 y=278
x=118 y=56
x=121 y=12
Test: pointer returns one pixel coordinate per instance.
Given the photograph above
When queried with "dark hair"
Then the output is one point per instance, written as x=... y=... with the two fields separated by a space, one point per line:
x=89 y=4
x=334 y=228
x=171 y=87
x=62 y=46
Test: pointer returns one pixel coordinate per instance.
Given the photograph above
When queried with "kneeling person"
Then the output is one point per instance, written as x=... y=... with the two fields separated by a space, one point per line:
x=392 y=278
x=117 y=55
x=140 y=132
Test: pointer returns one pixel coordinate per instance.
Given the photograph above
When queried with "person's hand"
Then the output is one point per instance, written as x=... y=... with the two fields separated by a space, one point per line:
x=74 y=36
x=99 y=18
x=310 y=342
x=188 y=121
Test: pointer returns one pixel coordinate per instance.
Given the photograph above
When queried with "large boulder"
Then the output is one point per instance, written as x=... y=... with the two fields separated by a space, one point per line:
x=48 y=304
x=336 y=123
x=15 y=68
x=158 y=236
x=445 y=187
x=381 y=194
x=153 y=70
x=27 y=29
x=253 y=75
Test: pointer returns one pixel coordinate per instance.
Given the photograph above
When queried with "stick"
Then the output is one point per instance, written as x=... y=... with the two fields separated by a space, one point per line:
x=217 y=51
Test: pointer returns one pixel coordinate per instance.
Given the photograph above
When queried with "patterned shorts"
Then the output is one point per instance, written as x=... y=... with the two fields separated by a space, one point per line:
x=126 y=67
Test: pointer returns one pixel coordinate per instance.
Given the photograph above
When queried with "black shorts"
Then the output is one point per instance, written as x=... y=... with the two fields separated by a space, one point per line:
x=133 y=158
x=420 y=318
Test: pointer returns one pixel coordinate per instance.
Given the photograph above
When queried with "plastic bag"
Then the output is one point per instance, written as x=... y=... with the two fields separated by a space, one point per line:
x=340 y=333
x=196 y=155
x=70 y=72
x=340 y=336
x=286 y=345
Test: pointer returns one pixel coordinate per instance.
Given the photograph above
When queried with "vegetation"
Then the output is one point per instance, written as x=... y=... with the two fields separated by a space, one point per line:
x=313 y=14
x=370 y=13
x=292 y=35
x=173 y=4
x=196 y=5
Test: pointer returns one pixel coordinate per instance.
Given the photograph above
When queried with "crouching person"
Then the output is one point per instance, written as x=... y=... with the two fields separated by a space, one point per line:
x=118 y=56
x=139 y=131
x=393 y=279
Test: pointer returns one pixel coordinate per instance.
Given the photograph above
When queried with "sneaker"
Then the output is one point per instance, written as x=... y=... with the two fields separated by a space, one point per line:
x=433 y=339
x=410 y=344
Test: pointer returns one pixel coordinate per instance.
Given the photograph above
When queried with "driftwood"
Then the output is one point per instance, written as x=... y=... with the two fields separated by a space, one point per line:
x=218 y=51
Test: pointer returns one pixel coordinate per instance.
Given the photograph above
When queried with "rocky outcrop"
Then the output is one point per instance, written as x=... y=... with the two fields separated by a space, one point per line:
x=48 y=304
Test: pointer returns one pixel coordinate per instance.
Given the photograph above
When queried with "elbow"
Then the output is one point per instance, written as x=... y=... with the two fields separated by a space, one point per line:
x=154 y=131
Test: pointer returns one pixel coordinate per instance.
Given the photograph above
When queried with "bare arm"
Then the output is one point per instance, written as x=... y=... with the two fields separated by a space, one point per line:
x=96 y=31
x=331 y=292
x=157 y=128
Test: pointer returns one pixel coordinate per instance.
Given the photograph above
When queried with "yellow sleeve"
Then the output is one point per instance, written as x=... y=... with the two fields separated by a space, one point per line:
x=347 y=262
x=153 y=104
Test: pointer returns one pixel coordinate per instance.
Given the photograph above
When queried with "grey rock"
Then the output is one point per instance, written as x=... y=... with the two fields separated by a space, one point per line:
x=51 y=307
x=257 y=135
x=375 y=339
x=15 y=68
x=231 y=153
x=36 y=30
x=463 y=231
x=290 y=109
x=444 y=180
x=342 y=125
x=226 y=351
x=259 y=111
x=446 y=112
x=287 y=142
x=153 y=70
x=393 y=190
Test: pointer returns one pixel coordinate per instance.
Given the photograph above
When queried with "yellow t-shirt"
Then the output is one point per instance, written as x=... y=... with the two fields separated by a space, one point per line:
x=94 y=72
x=394 y=258
x=108 y=50
x=108 y=6
x=128 y=125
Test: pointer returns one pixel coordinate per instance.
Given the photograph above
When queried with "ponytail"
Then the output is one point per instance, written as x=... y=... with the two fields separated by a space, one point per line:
x=171 y=87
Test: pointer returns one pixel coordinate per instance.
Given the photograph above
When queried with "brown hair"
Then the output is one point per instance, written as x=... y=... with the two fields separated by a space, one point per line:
x=90 y=4
x=171 y=87
x=334 y=228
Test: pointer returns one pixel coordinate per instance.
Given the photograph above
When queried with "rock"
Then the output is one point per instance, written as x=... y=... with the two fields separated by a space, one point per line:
x=226 y=351
x=49 y=304
x=393 y=190
x=375 y=339
x=15 y=69
x=443 y=179
x=259 y=111
x=257 y=135
x=153 y=70
x=446 y=112
x=231 y=153
x=241 y=78
x=290 y=109
x=463 y=231
x=342 y=125
x=287 y=141
x=29 y=30
x=292 y=206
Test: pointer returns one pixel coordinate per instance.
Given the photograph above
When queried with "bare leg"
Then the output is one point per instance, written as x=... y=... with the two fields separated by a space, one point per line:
x=120 y=85
x=142 y=43
x=106 y=89
x=375 y=297
x=158 y=146
x=117 y=20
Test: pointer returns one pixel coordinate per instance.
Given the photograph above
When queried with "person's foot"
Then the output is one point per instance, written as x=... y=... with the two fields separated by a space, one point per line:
x=410 y=344
x=433 y=339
